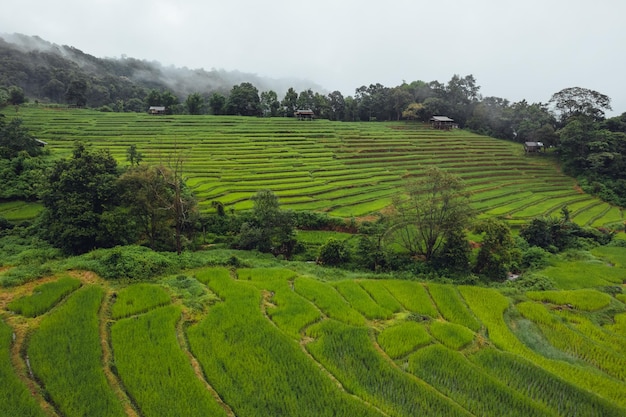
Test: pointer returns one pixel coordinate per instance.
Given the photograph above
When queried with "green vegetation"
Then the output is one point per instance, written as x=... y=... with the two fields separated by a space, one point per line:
x=452 y=306
x=586 y=299
x=15 y=399
x=155 y=370
x=138 y=299
x=402 y=339
x=457 y=378
x=451 y=335
x=44 y=297
x=67 y=343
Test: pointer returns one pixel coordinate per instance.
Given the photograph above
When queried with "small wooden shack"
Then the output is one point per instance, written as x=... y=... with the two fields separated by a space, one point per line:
x=532 y=147
x=443 y=123
x=156 y=110
x=306 y=114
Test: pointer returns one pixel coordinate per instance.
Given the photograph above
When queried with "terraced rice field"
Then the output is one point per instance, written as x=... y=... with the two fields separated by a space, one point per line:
x=345 y=169
x=276 y=342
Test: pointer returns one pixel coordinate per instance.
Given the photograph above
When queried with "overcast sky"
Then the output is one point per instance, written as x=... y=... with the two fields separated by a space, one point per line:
x=524 y=49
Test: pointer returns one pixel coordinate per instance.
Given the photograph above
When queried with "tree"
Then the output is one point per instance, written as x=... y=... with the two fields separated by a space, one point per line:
x=16 y=96
x=496 y=253
x=133 y=156
x=77 y=92
x=337 y=106
x=577 y=101
x=432 y=208
x=290 y=102
x=160 y=206
x=269 y=103
x=269 y=229
x=79 y=192
x=244 y=100
x=333 y=253
x=194 y=103
x=16 y=138
x=216 y=103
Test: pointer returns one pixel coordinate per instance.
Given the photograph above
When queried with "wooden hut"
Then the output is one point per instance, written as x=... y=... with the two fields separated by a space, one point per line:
x=442 y=122
x=306 y=114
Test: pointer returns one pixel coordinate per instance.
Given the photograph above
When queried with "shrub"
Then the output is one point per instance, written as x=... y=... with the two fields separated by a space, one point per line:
x=334 y=252
x=131 y=262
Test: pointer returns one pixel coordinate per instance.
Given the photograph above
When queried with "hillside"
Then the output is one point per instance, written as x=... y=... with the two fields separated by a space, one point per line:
x=128 y=331
x=45 y=70
x=345 y=169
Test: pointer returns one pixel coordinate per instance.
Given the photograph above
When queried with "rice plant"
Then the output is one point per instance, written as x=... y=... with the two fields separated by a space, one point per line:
x=452 y=335
x=584 y=299
x=15 y=400
x=328 y=300
x=138 y=298
x=257 y=369
x=361 y=301
x=44 y=297
x=452 y=306
x=154 y=369
x=66 y=356
x=348 y=353
x=400 y=340
x=468 y=385
x=536 y=383
x=413 y=297
x=379 y=293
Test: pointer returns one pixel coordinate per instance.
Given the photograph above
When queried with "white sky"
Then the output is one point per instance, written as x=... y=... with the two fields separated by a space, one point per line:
x=515 y=49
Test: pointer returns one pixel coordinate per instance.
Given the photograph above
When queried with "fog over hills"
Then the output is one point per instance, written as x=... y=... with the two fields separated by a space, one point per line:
x=27 y=57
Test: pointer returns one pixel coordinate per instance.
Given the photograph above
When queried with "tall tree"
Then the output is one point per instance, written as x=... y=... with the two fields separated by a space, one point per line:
x=16 y=138
x=79 y=192
x=194 y=103
x=577 y=101
x=217 y=102
x=269 y=229
x=269 y=103
x=433 y=207
x=290 y=102
x=244 y=100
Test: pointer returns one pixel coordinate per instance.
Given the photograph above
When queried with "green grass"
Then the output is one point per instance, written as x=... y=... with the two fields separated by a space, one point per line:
x=452 y=306
x=15 y=400
x=400 y=340
x=413 y=297
x=138 y=298
x=361 y=301
x=453 y=336
x=346 y=169
x=379 y=293
x=572 y=274
x=154 y=369
x=584 y=299
x=457 y=378
x=257 y=369
x=66 y=356
x=328 y=300
x=44 y=297
x=348 y=353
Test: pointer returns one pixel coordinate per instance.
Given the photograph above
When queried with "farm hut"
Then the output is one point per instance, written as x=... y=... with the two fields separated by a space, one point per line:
x=442 y=122
x=306 y=114
x=156 y=110
x=41 y=142
x=532 y=147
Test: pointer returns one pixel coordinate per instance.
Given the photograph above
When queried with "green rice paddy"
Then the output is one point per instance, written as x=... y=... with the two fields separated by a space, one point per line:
x=345 y=169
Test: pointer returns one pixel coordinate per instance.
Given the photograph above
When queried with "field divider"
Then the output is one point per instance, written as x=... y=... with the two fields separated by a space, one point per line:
x=21 y=364
x=116 y=384
x=181 y=336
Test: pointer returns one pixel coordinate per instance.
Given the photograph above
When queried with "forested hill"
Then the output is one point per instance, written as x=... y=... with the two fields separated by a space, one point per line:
x=45 y=71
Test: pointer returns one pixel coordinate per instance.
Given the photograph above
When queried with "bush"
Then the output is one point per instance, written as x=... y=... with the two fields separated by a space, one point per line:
x=535 y=258
x=131 y=262
x=334 y=252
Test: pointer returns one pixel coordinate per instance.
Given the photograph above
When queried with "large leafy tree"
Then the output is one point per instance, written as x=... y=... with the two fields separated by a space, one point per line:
x=577 y=101
x=80 y=190
x=290 y=102
x=244 y=100
x=269 y=228
x=16 y=138
x=433 y=207
x=159 y=205
x=269 y=103
x=194 y=103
